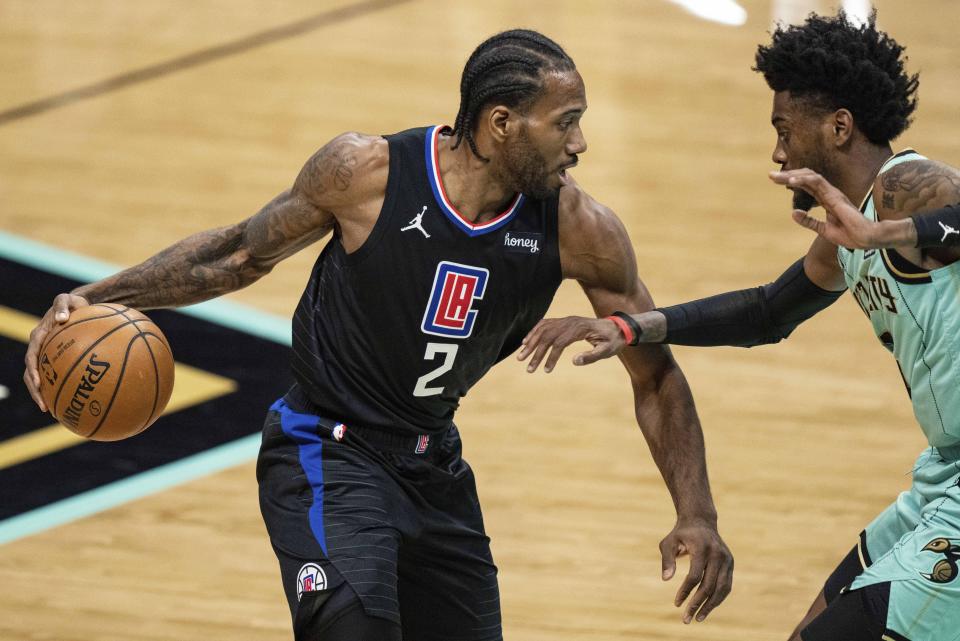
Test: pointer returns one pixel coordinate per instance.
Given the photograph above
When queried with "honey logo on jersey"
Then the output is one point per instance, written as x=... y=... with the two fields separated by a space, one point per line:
x=455 y=289
x=522 y=242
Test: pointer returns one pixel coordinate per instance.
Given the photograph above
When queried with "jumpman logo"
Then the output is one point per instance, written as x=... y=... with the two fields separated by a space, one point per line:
x=947 y=230
x=417 y=223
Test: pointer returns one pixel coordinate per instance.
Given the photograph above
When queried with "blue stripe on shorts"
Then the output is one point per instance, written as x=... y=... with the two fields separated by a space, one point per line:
x=302 y=430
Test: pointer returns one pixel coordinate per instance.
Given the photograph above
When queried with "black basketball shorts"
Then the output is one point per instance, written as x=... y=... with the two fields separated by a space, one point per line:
x=397 y=518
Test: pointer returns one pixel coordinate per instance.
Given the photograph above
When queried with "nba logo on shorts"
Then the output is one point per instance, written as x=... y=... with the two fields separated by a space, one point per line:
x=310 y=578
x=455 y=288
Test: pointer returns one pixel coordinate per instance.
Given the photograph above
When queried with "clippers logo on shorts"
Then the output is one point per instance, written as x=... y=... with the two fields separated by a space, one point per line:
x=423 y=442
x=310 y=578
x=455 y=288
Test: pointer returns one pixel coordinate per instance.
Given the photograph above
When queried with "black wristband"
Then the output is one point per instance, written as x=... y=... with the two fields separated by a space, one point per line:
x=938 y=228
x=634 y=326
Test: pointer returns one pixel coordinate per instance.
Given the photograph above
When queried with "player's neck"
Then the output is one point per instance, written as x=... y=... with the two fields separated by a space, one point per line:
x=470 y=183
x=860 y=170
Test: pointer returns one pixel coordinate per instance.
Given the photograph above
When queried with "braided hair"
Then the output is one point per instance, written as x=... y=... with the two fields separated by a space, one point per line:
x=509 y=69
x=833 y=63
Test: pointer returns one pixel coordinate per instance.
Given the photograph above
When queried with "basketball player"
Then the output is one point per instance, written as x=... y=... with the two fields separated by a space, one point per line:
x=840 y=96
x=448 y=245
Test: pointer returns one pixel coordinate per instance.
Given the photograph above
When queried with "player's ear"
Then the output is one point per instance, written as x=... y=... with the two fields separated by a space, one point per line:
x=841 y=122
x=500 y=121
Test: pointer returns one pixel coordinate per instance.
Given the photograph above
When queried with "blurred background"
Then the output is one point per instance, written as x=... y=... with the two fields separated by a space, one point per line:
x=127 y=126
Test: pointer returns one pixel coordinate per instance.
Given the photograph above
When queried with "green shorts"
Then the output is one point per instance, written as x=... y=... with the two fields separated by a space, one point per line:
x=915 y=546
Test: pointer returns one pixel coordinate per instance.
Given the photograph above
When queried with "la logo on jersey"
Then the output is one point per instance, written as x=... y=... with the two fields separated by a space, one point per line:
x=449 y=310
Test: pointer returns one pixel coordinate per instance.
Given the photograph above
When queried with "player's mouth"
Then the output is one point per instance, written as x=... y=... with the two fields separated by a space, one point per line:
x=563 y=171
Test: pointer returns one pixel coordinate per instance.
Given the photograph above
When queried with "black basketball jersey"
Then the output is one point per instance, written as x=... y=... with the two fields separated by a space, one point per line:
x=393 y=334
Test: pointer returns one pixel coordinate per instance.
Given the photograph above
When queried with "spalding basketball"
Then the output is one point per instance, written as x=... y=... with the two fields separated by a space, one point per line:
x=106 y=374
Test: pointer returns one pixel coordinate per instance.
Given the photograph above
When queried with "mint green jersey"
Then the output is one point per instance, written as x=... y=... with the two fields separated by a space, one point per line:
x=916 y=315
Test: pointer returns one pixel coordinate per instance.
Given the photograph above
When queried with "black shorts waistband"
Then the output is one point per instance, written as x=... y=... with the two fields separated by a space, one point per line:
x=382 y=440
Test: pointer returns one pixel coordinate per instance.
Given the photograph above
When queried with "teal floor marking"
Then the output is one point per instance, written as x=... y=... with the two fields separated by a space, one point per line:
x=229 y=314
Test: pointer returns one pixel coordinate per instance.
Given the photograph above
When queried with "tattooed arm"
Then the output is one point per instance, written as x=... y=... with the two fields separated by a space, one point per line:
x=328 y=190
x=341 y=185
x=913 y=188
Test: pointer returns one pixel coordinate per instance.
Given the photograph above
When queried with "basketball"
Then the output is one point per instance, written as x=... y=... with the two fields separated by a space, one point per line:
x=106 y=374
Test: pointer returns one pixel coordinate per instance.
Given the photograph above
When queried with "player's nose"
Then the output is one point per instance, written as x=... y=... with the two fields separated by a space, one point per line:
x=779 y=155
x=576 y=143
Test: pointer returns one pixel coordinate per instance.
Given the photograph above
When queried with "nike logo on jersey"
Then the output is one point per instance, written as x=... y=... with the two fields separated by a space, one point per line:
x=417 y=223
x=947 y=230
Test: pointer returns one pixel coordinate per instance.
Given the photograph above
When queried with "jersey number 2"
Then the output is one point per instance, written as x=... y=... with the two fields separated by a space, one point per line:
x=433 y=350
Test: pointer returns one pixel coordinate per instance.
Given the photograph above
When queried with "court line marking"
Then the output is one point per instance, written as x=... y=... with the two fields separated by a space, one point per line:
x=242 y=450
x=70 y=265
x=109 y=496
x=196 y=59
x=193 y=386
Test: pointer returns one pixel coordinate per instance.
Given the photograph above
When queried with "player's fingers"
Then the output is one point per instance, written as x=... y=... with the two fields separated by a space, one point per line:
x=601 y=351
x=538 y=353
x=708 y=585
x=697 y=566
x=668 y=558
x=724 y=585
x=61 y=308
x=31 y=377
x=804 y=219
x=820 y=188
x=531 y=340
x=556 y=352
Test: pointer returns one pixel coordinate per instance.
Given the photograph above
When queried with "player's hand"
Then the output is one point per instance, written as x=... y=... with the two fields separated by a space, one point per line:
x=711 y=567
x=58 y=314
x=555 y=334
x=844 y=224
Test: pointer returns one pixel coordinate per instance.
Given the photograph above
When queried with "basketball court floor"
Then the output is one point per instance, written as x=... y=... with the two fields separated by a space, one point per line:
x=126 y=126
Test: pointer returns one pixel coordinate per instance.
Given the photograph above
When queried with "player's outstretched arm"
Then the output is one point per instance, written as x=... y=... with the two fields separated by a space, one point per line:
x=347 y=172
x=742 y=318
x=596 y=250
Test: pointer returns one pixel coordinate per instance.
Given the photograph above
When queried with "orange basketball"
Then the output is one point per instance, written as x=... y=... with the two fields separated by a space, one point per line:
x=108 y=373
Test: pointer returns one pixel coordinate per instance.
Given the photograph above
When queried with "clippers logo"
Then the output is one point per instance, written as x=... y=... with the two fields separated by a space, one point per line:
x=455 y=288
x=423 y=442
x=310 y=578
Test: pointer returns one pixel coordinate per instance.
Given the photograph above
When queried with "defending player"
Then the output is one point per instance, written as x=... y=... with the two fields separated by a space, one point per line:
x=841 y=95
x=447 y=247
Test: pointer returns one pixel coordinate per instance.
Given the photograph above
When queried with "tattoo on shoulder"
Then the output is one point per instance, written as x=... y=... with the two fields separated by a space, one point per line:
x=920 y=185
x=331 y=168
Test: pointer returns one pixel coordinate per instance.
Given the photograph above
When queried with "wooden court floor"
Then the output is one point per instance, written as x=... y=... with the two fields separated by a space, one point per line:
x=125 y=126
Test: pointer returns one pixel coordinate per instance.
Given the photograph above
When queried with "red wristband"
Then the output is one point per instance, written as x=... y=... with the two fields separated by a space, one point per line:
x=627 y=332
